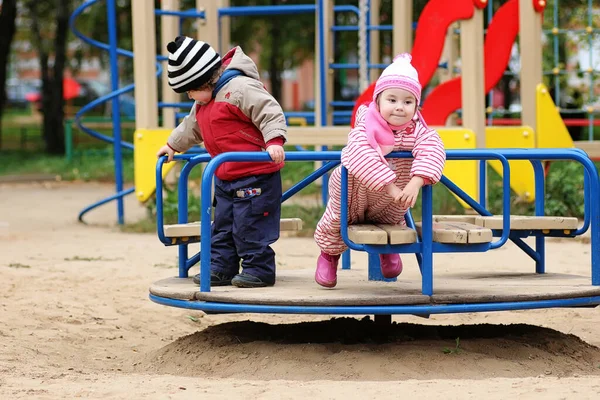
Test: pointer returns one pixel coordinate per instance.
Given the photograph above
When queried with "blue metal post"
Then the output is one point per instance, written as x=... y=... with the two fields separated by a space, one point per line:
x=410 y=222
x=540 y=240
x=483 y=183
x=346 y=259
x=182 y=216
x=116 y=114
x=375 y=269
x=591 y=73
x=322 y=86
x=427 y=238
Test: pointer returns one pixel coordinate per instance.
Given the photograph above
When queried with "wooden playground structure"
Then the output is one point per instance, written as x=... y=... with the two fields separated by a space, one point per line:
x=483 y=60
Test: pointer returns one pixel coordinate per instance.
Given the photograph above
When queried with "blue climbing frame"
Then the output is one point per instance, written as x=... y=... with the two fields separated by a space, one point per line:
x=424 y=248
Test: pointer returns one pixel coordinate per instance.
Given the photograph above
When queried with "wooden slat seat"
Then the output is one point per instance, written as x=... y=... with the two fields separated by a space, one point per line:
x=381 y=234
x=469 y=219
x=458 y=232
x=517 y=222
x=525 y=222
x=192 y=229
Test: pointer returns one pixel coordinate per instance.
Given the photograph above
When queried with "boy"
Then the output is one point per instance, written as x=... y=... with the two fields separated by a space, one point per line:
x=232 y=113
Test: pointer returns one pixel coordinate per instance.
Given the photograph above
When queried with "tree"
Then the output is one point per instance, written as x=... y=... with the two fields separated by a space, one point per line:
x=8 y=16
x=49 y=23
x=283 y=41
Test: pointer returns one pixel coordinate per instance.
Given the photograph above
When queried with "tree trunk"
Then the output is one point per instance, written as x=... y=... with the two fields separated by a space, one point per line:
x=54 y=119
x=8 y=16
x=52 y=84
x=274 y=63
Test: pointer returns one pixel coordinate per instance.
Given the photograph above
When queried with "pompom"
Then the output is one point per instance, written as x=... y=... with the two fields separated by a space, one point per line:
x=172 y=47
x=406 y=57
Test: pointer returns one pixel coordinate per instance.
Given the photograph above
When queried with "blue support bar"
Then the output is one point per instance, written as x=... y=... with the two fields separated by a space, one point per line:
x=111 y=15
x=410 y=222
x=540 y=240
x=346 y=259
x=421 y=309
x=427 y=241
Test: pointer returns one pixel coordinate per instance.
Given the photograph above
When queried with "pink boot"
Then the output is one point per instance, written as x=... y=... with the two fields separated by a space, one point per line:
x=391 y=265
x=326 y=273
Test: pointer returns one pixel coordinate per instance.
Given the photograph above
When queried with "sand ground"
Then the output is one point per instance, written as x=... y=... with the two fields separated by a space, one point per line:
x=76 y=321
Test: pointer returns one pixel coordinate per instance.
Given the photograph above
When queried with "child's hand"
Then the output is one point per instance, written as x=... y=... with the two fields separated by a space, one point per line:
x=276 y=152
x=394 y=192
x=409 y=195
x=166 y=150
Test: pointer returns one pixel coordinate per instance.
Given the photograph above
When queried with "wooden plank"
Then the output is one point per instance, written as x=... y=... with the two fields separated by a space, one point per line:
x=526 y=222
x=398 y=234
x=470 y=219
x=591 y=148
x=367 y=234
x=192 y=229
x=290 y=224
x=312 y=135
x=475 y=233
x=458 y=233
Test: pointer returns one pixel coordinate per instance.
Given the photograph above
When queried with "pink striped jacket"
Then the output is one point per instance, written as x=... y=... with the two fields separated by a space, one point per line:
x=365 y=165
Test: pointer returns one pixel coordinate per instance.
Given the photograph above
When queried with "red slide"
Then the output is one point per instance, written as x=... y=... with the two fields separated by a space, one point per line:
x=436 y=18
x=501 y=34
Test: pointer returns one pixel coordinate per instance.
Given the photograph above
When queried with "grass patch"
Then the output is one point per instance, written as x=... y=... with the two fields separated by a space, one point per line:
x=455 y=350
x=94 y=166
x=77 y=258
x=310 y=216
x=18 y=265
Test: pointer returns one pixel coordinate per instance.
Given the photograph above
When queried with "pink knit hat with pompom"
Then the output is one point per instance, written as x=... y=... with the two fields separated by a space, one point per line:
x=400 y=74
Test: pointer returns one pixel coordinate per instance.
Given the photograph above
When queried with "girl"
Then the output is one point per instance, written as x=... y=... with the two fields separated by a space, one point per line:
x=381 y=190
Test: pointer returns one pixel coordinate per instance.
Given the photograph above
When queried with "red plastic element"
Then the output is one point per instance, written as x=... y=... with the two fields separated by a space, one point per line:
x=501 y=34
x=480 y=3
x=436 y=18
x=71 y=89
x=539 y=5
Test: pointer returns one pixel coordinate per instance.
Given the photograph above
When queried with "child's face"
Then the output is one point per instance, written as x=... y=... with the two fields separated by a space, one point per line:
x=202 y=96
x=397 y=106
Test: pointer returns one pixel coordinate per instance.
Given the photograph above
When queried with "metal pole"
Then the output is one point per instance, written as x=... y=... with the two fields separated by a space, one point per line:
x=114 y=80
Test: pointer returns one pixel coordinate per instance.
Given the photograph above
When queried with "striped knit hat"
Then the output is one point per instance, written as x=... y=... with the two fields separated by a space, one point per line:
x=191 y=63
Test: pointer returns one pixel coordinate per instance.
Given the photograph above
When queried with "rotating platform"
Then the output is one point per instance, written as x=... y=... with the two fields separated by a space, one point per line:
x=297 y=292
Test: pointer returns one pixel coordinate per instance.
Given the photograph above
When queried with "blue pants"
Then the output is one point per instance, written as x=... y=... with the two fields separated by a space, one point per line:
x=246 y=223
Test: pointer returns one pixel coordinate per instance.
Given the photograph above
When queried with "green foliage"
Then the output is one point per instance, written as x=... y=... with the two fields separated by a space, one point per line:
x=564 y=190
x=97 y=166
x=455 y=350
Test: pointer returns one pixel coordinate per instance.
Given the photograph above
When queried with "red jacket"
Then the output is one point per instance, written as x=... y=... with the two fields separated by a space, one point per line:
x=242 y=117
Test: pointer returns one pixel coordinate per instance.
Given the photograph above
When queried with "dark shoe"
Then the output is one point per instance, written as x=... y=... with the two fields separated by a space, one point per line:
x=216 y=279
x=244 y=280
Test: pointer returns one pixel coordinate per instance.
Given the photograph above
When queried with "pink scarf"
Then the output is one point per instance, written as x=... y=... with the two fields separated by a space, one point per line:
x=380 y=134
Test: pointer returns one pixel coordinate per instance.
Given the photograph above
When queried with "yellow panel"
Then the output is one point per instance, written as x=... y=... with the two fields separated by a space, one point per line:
x=521 y=172
x=146 y=144
x=551 y=129
x=462 y=173
x=299 y=121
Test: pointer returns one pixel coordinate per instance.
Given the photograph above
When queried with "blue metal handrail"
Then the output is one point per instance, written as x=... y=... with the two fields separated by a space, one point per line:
x=508 y=154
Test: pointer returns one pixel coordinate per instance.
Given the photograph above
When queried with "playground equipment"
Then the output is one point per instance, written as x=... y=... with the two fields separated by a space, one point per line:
x=483 y=70
x=433 y=38
x=464 y=176
x=295 y=291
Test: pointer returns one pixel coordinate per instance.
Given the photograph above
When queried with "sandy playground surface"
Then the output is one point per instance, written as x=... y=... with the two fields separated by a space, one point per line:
x=76 y=321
